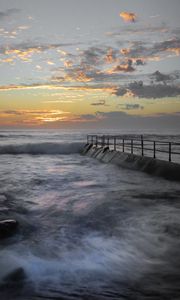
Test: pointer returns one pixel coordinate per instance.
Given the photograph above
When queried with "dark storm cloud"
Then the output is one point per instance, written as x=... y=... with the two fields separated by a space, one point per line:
x=8 y=13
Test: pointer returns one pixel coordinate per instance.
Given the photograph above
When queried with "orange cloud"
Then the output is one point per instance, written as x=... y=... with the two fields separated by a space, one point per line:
x=127 y=67
x=174 y=50
x=110 y=57
x=80 y=76
x=68 y=63
x=24 y=55
x=7 y=60
x=128 y=16
x=54 y=87
x=51 y=63
x=125 y=51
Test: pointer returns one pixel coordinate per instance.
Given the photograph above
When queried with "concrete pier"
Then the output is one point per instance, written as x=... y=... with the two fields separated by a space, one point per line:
x=157 y=167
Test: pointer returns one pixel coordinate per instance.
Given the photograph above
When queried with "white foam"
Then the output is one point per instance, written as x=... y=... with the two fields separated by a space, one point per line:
x=41 y=148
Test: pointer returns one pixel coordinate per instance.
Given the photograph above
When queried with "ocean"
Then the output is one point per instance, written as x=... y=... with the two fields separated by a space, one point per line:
x=87 y=230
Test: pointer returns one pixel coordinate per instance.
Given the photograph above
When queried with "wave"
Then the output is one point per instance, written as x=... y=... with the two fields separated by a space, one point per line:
x=41 y=148
x=15 y=135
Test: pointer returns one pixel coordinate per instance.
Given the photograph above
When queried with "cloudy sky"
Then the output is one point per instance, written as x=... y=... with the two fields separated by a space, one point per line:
x=90 y=64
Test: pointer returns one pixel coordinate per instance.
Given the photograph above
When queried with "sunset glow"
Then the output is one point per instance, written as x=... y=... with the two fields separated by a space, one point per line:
x=61 y=70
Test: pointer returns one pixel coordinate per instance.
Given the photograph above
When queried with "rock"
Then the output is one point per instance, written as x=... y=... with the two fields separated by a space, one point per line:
x=15 y=276
x=10 y=264
x=7 y=228
x=14 y=280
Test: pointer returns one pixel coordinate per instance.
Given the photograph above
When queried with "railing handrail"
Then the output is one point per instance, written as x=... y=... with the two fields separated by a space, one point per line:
x=129 y=137
x=130 y=141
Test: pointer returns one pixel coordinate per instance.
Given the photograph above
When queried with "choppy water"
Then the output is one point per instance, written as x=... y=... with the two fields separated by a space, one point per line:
x=87 y=230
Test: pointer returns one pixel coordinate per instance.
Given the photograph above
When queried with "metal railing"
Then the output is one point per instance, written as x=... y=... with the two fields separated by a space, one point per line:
x=165 y=150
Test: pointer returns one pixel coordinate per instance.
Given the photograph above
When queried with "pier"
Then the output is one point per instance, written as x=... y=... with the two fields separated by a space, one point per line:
x=156 y=157
x=166 y=150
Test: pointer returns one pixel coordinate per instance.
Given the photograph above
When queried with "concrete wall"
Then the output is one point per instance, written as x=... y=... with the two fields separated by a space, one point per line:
x=168 y=170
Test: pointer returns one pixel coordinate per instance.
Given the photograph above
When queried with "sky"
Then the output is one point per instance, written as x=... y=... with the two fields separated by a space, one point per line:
x=90 y=64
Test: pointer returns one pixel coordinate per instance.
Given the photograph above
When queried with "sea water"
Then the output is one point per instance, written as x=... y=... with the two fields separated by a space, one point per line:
x=87 y=230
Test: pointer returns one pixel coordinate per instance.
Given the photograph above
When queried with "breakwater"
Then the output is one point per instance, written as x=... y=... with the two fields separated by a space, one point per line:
x=158 y=167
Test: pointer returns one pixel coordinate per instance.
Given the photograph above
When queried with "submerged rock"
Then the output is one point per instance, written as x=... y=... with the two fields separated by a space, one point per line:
x=12 y=281
x=15 y=276
x=7 y=228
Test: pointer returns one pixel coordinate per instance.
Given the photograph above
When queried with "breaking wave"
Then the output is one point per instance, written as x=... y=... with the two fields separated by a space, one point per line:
x=41 y=148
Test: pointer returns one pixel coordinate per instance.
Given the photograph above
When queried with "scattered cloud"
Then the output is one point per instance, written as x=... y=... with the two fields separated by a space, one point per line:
x=155 y=16
x=24 y=51
x=131 y=106
x=99 y=103
x=128 y=16
x=125 y=67
x=51 y=63
x=58 y=101
x=8 y=13
x=153 y=91
x=156 y=85
x=111 y=56
x=140 y=62
x=165 y=78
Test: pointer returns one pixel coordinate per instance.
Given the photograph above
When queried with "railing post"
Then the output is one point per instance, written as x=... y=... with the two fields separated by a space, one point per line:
x=169 y=151
x=154 y=149
x=102 y=140
x=131 y=146
x=142 y=146
x=115 y=143
x=123 y=145
x=118 y=143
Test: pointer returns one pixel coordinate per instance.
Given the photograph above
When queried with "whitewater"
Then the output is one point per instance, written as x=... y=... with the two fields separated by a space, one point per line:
x=87 y=230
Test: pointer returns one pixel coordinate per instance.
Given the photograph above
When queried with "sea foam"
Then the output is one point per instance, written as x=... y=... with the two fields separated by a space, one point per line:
x=41 y=148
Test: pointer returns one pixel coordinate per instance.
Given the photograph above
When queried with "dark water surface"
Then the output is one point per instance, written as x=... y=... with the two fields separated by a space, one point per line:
x=87 y=230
